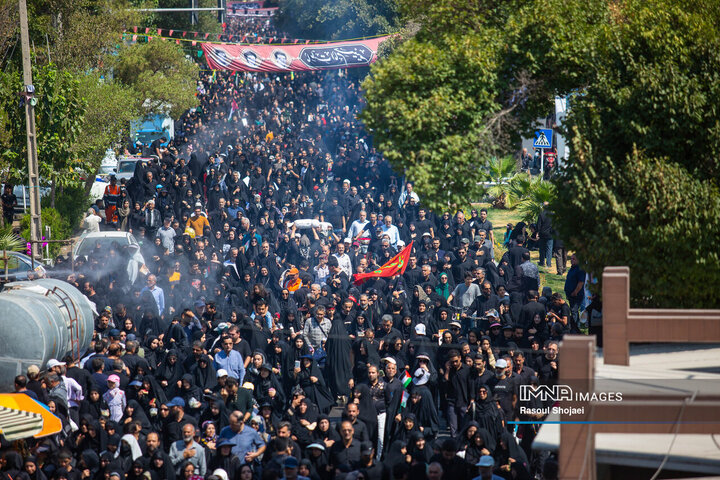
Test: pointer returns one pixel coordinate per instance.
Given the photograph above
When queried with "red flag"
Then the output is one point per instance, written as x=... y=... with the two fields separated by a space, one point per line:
x=230 y=38
x=147 y=30
x=184 y=33
x=283 y=40
x=159 y=32
x=171 y=32
x=194 y=43
x=219 y=36
x=195 y=34
x=394 y=266
x=307 y=41
x=295 y=41
x=243 y=39
x=135 y=29
x=206 y=36
x=149 y=38
x=177 y=40
x=134 y=38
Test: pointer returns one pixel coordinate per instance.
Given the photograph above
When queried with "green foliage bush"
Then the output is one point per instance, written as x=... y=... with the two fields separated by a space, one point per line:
x=71 y=204
x=651 y=215
x=59 y=226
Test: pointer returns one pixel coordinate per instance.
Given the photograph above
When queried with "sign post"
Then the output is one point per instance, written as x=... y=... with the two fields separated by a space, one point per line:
x=543 y=140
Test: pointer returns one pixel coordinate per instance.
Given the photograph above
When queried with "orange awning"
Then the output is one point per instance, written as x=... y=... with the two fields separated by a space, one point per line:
x=24 y=417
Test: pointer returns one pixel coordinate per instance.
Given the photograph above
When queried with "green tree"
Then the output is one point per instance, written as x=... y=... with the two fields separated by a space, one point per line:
x=649 y=214
x=161 y=74
x=641 y=186
x=539 y=193
x=58 y=119
x=111 y=107
x=427 y=113
x=339 y=19
x=499 y=171
x=644 y=89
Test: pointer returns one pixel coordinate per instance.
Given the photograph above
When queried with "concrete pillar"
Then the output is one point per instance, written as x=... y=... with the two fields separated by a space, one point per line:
x=616 y=308
x=576 y=454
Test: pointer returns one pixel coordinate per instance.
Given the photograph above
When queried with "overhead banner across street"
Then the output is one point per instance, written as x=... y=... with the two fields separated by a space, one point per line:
x=292 y=58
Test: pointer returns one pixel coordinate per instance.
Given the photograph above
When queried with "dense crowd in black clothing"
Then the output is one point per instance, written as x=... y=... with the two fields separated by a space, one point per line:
x=245 y=328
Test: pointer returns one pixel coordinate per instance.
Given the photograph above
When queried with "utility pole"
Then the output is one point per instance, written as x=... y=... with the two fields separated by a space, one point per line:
x=29 y=92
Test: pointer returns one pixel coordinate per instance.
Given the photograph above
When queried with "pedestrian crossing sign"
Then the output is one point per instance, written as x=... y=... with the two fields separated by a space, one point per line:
x=543 y=138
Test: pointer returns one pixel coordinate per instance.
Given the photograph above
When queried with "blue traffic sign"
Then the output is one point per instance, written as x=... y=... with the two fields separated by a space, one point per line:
x=543 y=138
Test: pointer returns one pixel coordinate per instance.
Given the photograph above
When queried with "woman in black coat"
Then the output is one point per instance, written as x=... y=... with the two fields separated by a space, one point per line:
x=311 y=380
x=338 y=367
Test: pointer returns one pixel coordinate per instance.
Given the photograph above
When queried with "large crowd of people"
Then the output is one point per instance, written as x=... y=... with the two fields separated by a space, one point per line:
x=244 y=349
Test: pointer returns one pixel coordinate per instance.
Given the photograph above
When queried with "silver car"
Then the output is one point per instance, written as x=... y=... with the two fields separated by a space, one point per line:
x=104 y=241
x=18 y=266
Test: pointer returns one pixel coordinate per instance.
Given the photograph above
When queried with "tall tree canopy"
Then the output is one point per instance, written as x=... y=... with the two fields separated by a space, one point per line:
x=643 y=88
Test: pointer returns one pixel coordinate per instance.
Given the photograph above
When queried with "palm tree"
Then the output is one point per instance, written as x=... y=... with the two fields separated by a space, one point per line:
x=519 y=187
x=500 y=169
x=9 y=241
x=539 y=192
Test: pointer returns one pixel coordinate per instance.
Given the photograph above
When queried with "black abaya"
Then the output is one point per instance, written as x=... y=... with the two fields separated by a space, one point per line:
x=338 y=366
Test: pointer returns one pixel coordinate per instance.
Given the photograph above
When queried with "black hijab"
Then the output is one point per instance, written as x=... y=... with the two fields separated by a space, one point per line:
x=338 y=367
x=204 y=378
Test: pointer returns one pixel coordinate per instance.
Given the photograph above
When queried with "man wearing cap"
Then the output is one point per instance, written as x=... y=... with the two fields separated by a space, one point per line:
x=72 y=387
x=504 y=390
x=290 y=469
x=34 y=384
x=374 y=470
x=485 y=468
x=173 y=429
x=198 y=221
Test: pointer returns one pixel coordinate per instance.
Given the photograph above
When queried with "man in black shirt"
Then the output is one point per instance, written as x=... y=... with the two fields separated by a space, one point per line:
x=515 y=253
x=545 y=233
x=334 y=214
x=574 y=288
x=347 y=451
x=423 y=224
x=481 y=375
x=484 y=302
x=559 y=311
x=458 y=382
x=9 y=201
x=530 y=309
x=504 y=390
x=482 y=223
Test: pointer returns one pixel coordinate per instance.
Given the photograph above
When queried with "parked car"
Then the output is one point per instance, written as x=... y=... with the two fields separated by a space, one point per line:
x=18 y=266
x=104 y=241
x=22 y=192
